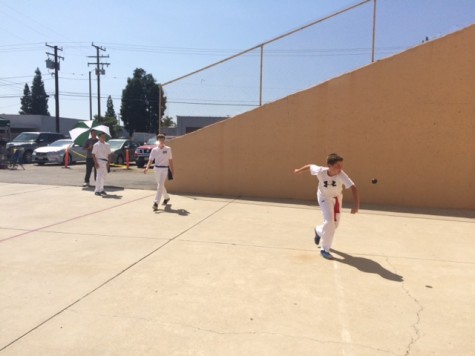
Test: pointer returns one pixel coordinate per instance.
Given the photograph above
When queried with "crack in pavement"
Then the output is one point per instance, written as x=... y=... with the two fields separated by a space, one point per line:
x=415 y=325
x=239 y=333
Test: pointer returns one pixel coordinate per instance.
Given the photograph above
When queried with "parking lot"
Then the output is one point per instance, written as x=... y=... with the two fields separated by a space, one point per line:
x=55 y=174
x=82 y=275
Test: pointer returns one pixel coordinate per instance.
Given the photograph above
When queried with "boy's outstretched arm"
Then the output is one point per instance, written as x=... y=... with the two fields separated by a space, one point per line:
x=302 y=169
x=356 y=199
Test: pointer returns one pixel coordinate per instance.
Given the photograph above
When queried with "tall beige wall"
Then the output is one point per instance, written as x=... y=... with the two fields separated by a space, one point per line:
x=408 y=121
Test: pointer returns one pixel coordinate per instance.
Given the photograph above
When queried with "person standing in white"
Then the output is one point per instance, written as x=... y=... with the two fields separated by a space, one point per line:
x=101 y=153
x=331 y=180
x=163 y=162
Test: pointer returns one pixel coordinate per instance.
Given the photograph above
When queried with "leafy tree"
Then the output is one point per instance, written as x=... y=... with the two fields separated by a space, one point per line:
x=110 y=119
x=167 y=121
x=139 y=108
x=39 y=98
x=26 y=101
x=110 y=108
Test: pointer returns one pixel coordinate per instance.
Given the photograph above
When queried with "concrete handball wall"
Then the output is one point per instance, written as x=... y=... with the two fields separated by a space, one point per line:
x=408 y=121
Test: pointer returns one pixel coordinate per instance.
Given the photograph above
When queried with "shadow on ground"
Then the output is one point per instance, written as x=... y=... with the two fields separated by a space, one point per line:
x=168 y=209
x=366 y=265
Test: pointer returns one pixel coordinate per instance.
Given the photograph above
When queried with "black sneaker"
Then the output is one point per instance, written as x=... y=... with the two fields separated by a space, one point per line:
x=155 y=207
x=98 y=194
x=165 y=202
x=85 y=184
x=326 y=255
x=103 y=193
x=317 y=238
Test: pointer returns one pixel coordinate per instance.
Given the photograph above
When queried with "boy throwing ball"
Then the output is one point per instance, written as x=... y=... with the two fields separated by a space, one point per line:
x=331 y=180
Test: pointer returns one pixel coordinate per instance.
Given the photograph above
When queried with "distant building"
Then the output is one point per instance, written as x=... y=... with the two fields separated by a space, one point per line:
x=187 y=124
x=24 y=123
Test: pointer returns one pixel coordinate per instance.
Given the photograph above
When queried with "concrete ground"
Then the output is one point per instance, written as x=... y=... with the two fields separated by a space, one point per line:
x=85 y=275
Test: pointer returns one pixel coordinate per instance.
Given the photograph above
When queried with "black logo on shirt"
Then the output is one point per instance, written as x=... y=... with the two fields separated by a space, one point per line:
x=325 y=184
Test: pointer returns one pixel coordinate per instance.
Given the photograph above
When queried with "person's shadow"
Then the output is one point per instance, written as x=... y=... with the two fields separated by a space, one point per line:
x=366 y=265
x=168 y=209
x=112 y=196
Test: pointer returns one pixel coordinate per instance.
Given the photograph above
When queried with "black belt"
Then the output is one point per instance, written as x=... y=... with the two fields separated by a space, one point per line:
x=161 y=166
x=104 y=159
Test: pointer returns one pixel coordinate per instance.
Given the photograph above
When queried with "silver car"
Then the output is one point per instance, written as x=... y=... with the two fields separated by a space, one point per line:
x=56 y=153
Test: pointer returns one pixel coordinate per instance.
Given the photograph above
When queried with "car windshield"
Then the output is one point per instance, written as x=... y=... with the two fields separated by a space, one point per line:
x=116 y=144
x=61 y=143
x=26 y=136
x=152 y=141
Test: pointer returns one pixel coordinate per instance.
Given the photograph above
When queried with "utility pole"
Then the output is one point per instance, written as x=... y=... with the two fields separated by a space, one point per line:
x=99 y=71
x=159 y=109
x=90 y=97
x=55 y=65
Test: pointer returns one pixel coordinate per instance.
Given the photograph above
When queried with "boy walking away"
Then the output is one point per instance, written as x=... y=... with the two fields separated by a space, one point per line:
x=101 y=153
x=331 y=180
x=163 y=163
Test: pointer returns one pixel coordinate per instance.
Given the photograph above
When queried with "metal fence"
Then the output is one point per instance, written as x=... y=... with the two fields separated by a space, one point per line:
x=323 y=49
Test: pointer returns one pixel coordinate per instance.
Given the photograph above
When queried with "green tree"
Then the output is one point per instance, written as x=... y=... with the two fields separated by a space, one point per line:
x=110 y=119
x=26 y=101
x=110 y=108
x=39 y=98
x=167 y=121
x=139 y=107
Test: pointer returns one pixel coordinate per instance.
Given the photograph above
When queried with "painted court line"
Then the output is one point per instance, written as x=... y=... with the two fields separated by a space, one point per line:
x=2 y=348
x=72 y=219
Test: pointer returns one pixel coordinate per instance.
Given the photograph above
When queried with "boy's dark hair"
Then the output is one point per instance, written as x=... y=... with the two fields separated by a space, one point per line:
x=159 y=136
x=334 y=158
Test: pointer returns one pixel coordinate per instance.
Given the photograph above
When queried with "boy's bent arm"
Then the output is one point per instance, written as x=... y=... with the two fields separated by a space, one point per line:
x=302 y=169
x=356 y=199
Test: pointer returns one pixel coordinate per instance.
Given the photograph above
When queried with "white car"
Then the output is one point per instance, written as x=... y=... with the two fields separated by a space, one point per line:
x=56 y=153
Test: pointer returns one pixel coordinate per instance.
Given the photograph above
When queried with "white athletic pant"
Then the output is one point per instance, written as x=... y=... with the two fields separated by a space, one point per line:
x=327 y=230
x=161 y=175
x=101 y=175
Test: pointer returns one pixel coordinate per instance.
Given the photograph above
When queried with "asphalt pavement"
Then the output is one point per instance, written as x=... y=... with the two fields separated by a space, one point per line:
x=54 y=174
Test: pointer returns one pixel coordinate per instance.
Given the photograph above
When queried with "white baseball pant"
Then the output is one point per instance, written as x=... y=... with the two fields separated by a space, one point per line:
x=101 y=176
x=330 y=220
x=161 y=175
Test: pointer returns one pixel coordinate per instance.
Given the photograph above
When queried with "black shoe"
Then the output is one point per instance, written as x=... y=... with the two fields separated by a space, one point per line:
x=165 y=202
x=326 y=255
x=98 y=194
x=155 y=207
x=103 y=193
x=317 y=238
x=85 y=184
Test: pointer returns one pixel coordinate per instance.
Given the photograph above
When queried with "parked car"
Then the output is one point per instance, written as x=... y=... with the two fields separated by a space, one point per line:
x=143 y=152
x=56 y=153
x=119 y=148
x=29 y=141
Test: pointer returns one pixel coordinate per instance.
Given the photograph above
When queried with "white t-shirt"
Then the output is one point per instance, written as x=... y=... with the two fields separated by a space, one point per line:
x=161 y=155
x=330 y=186
x=101 y=150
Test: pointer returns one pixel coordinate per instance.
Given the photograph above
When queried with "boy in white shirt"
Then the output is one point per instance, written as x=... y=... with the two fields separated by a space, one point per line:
x=101 y=153
x=331 y=180
x=163 y=162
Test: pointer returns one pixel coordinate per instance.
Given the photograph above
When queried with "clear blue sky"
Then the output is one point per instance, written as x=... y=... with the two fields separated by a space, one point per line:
x=172 y=38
